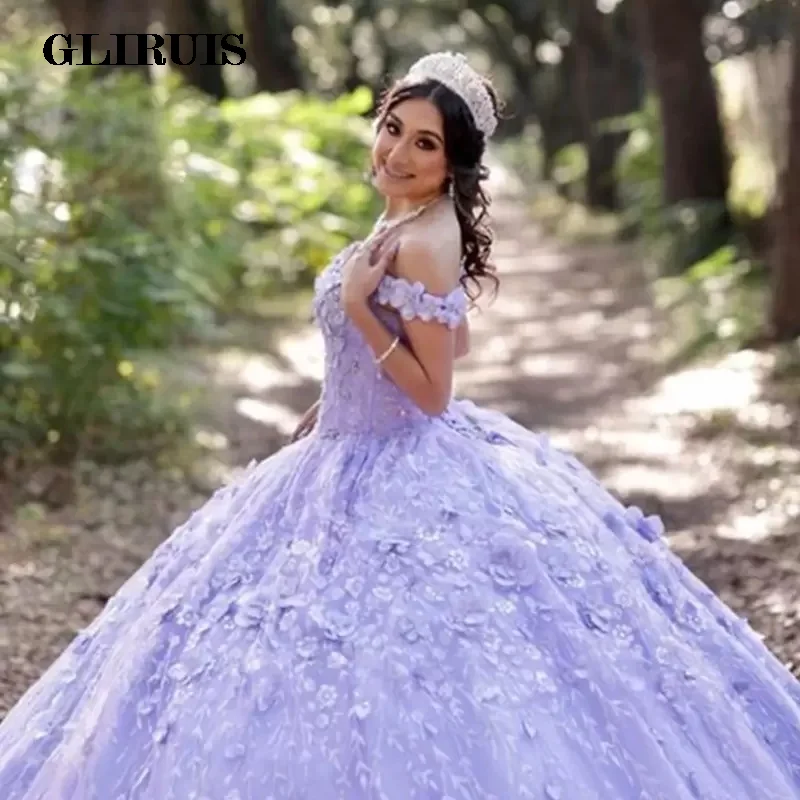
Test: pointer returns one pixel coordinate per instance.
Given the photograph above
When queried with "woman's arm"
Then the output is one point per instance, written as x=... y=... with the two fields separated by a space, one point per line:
x=462 y=339
x=424 y=370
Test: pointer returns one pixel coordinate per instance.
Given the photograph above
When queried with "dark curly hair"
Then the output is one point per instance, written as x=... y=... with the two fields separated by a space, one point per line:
x=464 y=147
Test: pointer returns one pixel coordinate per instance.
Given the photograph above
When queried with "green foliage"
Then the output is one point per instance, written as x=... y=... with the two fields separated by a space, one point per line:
x=640 y=168
x=704 y=273
x=570 y=167
x=523 y=155
x=677 y=236
x=276 y=183
x=717 y=304
x=131 y=218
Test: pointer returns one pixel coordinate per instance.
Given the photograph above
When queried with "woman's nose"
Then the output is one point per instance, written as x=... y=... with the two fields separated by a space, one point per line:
x=398 y=157
x=400 y=151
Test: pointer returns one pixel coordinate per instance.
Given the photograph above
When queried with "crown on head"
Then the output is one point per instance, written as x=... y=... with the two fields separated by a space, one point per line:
x=453 y=70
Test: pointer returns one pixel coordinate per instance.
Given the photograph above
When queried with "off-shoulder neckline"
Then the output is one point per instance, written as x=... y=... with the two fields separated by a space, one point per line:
x=390 y=280
x=418 y=287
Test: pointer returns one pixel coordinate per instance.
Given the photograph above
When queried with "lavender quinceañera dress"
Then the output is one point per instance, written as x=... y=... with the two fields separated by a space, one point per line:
x=401 y=607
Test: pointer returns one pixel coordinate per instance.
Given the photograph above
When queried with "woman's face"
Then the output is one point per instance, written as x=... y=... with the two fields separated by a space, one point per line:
x=408 y=153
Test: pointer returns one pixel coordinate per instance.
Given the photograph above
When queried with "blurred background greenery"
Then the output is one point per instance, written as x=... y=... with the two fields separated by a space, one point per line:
x=142 y=207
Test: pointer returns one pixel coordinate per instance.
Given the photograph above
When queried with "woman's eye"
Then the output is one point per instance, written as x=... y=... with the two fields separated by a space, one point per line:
x=426 y=144
x=392 y=128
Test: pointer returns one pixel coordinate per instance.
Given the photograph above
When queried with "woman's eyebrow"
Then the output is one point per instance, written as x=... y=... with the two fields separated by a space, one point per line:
x=399 y=122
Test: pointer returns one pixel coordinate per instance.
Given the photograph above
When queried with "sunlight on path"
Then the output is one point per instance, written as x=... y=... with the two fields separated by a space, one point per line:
x=256 y=376
x=729 y=385
x=647 y=432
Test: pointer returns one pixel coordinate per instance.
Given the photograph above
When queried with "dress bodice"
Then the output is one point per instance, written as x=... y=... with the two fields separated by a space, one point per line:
x=357 y=396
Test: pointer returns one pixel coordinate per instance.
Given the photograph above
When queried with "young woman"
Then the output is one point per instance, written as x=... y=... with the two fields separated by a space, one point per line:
x=417 y=598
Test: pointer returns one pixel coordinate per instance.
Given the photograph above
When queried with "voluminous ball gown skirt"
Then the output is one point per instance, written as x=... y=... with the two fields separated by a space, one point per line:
x=407 y=608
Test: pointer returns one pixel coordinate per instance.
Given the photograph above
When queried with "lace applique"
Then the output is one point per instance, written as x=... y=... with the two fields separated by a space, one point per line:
x=413 y=300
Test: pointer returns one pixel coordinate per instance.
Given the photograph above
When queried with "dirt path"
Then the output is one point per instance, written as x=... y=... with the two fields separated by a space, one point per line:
x=565 y=348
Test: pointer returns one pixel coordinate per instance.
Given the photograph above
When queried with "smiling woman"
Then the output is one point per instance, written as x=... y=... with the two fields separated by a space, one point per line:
x=428 y=143
x=409 y=155
x=418 y=599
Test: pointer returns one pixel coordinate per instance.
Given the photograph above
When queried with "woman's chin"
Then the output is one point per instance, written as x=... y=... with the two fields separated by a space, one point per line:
x=392 y=190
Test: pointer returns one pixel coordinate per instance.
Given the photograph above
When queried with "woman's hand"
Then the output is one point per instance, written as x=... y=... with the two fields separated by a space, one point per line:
x=306 y=424
x=363 y=271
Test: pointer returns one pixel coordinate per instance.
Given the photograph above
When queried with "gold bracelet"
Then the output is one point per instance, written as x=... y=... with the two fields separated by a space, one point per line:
x=389 y=350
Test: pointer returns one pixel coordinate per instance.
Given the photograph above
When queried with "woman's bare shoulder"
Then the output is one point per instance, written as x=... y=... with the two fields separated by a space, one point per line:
x=430 y=252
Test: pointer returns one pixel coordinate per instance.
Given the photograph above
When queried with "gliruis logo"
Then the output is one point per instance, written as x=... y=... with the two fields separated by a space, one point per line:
x=133 y=49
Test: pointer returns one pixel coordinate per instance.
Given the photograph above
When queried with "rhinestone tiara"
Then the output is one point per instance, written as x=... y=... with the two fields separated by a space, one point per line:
x=454 y=71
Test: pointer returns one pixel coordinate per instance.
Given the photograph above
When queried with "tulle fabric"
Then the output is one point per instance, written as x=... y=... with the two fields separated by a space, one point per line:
x=468 y=614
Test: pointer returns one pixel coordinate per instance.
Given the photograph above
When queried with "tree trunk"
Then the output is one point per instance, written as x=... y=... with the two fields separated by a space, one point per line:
x=107 y=17
x=558 y=120
x=196 y=16
x=601 y=183
x=270 y=47
x=362 y=10
x=140 y=189
x=608 y=86
x=785 y=300
x=696 y=162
